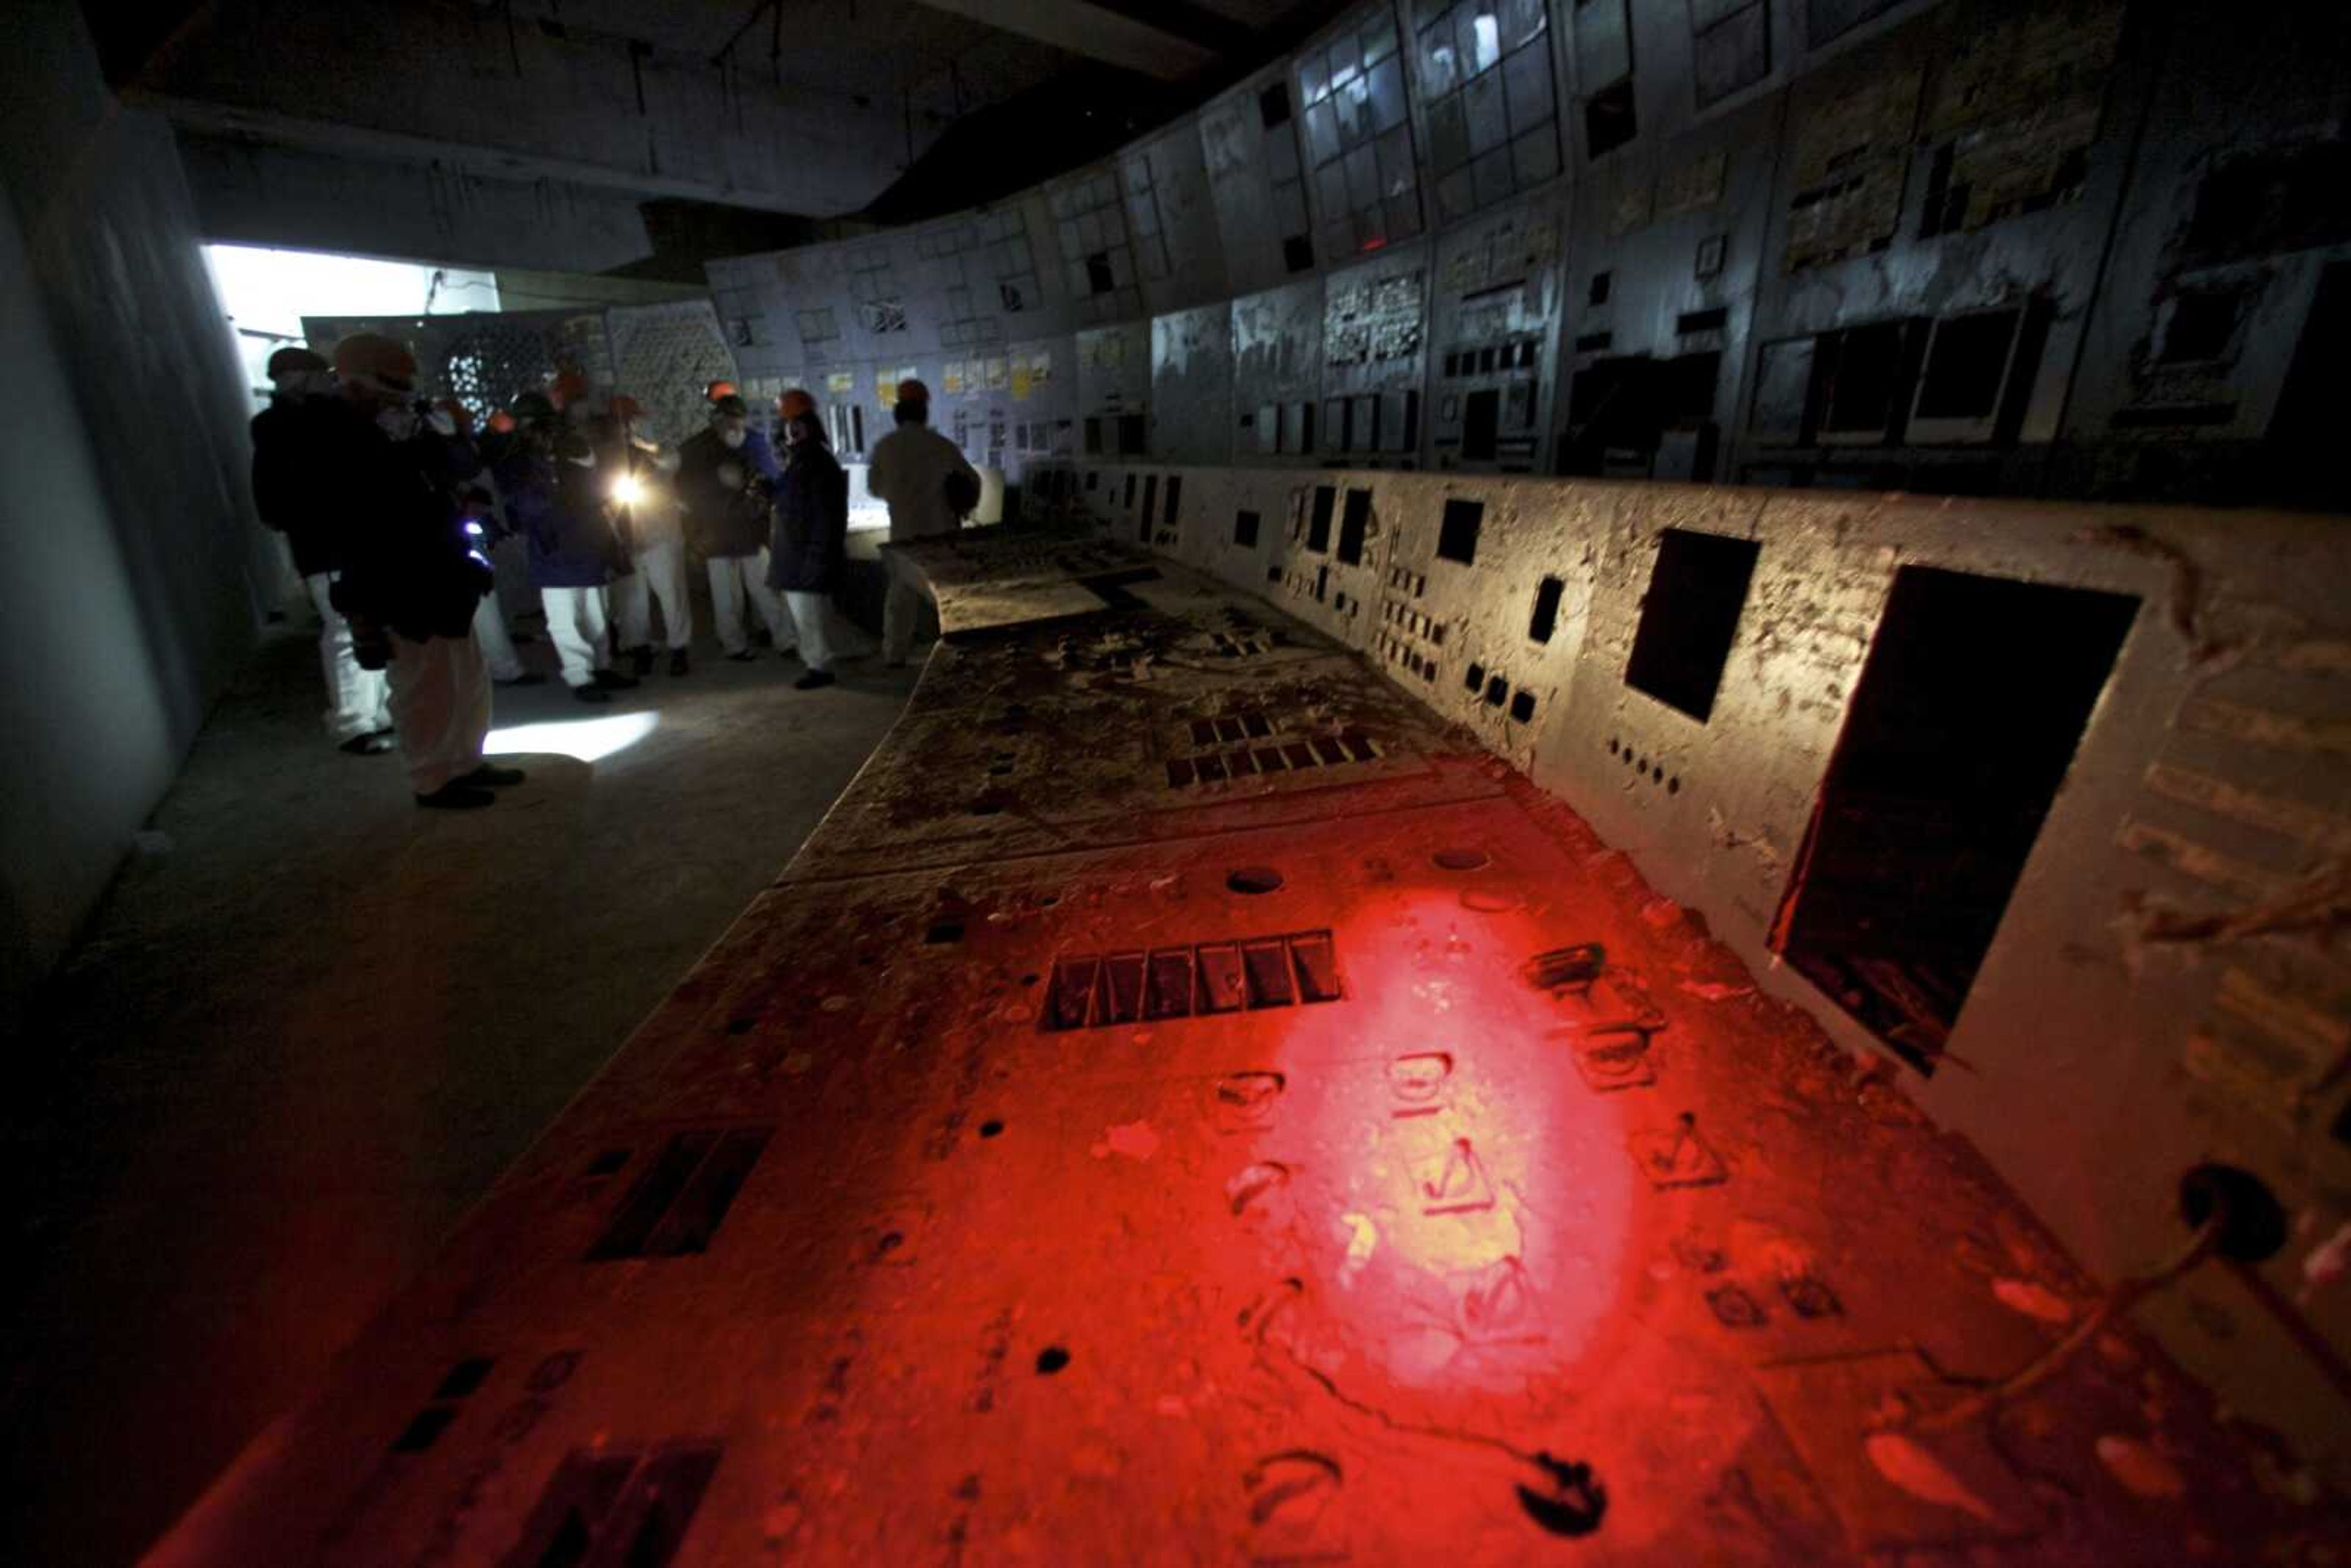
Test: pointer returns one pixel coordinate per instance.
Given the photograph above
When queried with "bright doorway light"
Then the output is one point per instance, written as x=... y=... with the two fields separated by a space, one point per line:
x=588 y=739
x=264 y=293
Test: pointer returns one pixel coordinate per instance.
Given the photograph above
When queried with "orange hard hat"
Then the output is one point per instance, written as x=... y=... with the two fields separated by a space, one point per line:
x=626 y=407
x=793 y=403
x=503 y=423
x=717 y=390
x=376 y=362
x=567 y=389
x=912 y=390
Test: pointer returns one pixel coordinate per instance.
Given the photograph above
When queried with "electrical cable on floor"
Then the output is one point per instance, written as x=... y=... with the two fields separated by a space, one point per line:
x=2119 y=1300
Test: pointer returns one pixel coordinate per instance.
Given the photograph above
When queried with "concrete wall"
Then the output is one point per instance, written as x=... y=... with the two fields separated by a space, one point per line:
x=1803 y=180
x=2096 y=1059
x=132 y=565
x=255 y=193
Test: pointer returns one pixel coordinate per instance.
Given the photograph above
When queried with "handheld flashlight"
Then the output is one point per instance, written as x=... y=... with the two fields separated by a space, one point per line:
x=628 y=490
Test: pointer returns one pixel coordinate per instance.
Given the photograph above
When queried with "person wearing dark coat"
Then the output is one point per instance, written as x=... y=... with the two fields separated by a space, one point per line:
x=556 y=498
x=811 y=540
x=410 y=579
x=725 y=478
x=295 y=490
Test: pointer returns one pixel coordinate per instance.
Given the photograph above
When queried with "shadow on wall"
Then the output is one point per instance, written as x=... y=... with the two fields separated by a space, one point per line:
x=133 y=555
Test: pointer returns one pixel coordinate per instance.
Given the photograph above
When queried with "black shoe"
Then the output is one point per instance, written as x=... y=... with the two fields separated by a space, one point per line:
x=742 y=655
x=591 y=694
x=371 y=745
x=613 y=681
x=812 y=680
x=678 y=662
x=763 y=638
x=527 y=678
x=642 y=659
x=491 y=776
x=457 y=797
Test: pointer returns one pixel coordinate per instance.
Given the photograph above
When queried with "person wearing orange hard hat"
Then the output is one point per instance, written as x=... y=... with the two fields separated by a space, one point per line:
x=411 y=582
x=928 y=487
x=640 y=475
x=717 y=390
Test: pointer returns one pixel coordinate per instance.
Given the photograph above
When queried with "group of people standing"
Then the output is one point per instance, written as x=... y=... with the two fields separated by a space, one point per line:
x=392 y=507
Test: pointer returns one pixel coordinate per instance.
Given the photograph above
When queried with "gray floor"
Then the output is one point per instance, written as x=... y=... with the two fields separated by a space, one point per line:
x=302 y=1038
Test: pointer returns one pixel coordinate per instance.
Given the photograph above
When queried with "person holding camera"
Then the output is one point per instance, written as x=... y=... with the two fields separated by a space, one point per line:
x=557 y=500
x=726 y=477
x=410 y=581
x=640 y=476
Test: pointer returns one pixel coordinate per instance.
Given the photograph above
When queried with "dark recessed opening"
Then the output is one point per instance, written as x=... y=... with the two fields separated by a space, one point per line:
x=2254 y=1227
x=1130 y=489
x=1167 y=514
x=990 y=1128
x=1473 y=677
x=1498 y=689
x=1522 y=706
x=1051 y=1359
x=1254 y=879
x=1318 y=524
x=944 y=930
x=1594 y=342
x=1273 y=105
x=1245 y=529
x=1689 y=618
x=1481 y=424
x=1960 y=731
x=1966 y=365
x=1596 y=291
x=1131 y=435
x=1545 y=619
x=1712 y=320
x=1298 y=254
x=1459 y=860
x=425 y=1429
x=1608 y=117
x=2203 y=326
x=1457 y=531
x=1354 y=524
x=742 y=1024
x=465 y=1377
x=1150 y=496
x=1865 y=376
x=1099 y=277
x=607 y=1162
x=1093 y=440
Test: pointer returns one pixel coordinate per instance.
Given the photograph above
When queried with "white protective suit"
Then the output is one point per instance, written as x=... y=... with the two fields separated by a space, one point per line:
x=909 y=473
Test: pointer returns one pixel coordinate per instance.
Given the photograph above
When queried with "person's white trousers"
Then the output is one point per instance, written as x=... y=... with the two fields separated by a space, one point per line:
x=575 y=622
x=355 y=698
x=441 y=705
x=659 y=574
x=809 y=616
x=903 y=610
x=498 y=648
x=733 y=578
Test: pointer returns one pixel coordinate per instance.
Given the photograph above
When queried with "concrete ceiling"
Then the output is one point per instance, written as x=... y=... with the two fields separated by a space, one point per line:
x=806 y=106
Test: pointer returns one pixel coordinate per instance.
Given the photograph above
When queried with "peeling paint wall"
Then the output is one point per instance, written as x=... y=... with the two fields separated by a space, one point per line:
x=1949 y=248
x=2159 y=993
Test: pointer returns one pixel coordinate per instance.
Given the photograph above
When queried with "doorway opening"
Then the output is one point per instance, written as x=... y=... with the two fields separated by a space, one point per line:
x=1970 y=708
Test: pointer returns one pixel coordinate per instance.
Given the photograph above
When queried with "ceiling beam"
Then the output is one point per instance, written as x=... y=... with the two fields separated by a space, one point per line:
x=1094 y=31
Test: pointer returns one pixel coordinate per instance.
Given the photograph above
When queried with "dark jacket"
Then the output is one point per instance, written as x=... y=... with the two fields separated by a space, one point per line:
x=812 y=521
x=293 y=488
x=405 y=560
x=725 y=519
x=558 y=509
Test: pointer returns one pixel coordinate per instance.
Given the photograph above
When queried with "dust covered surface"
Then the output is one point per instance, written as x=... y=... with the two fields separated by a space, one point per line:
x=1343 y=1162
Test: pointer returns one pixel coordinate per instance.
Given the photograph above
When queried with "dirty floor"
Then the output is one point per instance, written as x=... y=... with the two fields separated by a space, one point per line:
x=311 y=1027
x=1183 y=1106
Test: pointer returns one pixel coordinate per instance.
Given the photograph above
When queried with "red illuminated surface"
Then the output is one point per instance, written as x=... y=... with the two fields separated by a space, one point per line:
x=1439 y=1270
